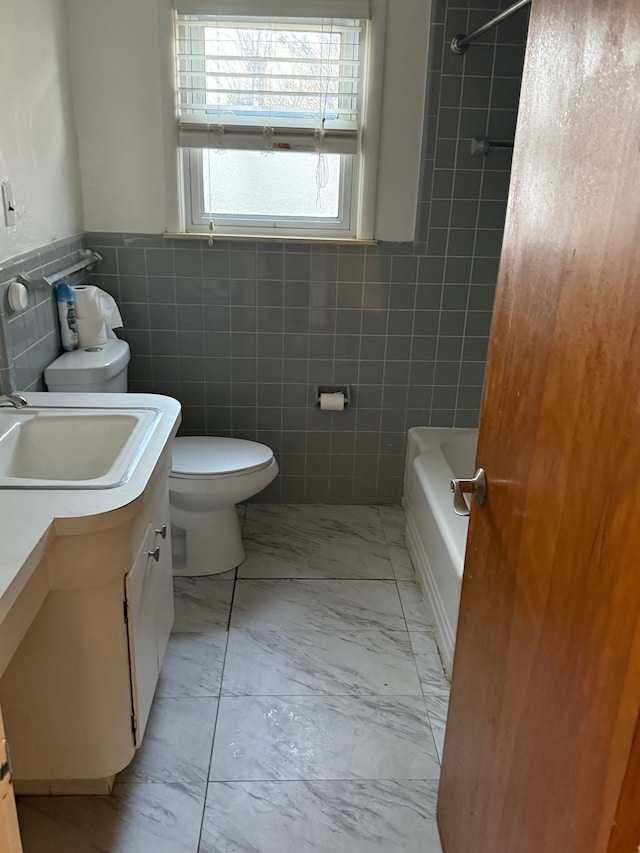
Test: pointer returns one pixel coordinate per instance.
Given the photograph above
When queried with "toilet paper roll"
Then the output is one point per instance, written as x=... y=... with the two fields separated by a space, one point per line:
x=333 y=402
x=96 y=313
x=92 y=332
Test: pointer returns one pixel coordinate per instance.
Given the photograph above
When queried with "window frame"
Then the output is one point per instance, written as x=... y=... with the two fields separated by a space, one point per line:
x=355 y=185
x=197 y=221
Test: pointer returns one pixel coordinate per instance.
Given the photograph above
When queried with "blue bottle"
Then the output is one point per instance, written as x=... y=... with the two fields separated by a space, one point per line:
x=67 y=316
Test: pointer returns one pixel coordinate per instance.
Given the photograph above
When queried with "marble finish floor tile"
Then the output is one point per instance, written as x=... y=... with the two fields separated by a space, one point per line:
x=152 y=818
x=413 y=605
x=330 y=737
x=393 y=523
x=273 y=555
x=320 y=817
x=299 y=663
x=201 y=603
x=316 y=522
x=193 y=664
x=403 y=569
x=177 y=742
x=324 y=694
x=427 y=657
x=437 y=709
x=326 y=605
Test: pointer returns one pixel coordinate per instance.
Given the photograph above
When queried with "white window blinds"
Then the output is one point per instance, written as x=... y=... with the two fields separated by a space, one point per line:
x=258 y=83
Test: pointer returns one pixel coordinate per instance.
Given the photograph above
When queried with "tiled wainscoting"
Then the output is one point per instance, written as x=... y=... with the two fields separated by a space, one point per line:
x=242 y=333
x=30 y=339
x=301 y=706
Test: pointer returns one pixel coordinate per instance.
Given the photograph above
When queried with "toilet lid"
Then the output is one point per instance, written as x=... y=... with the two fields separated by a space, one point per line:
x=205 y=455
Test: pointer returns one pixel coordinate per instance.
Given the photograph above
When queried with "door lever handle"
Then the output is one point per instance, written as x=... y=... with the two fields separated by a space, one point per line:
x=476 y=486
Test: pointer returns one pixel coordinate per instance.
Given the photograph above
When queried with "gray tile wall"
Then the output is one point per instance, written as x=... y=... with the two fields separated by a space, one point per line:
x=240 y=332
x=30 y=339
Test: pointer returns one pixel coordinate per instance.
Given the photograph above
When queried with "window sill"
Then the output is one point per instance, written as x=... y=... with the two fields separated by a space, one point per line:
x=276 y=238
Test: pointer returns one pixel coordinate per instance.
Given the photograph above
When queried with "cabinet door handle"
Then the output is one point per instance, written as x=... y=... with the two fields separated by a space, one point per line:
x=155 y=554
x=162 y=531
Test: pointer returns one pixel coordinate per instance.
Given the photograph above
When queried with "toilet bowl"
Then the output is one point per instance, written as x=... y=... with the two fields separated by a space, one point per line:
x=209 y=476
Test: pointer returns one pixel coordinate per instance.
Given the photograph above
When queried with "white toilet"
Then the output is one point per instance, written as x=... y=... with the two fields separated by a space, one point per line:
x=209 y=475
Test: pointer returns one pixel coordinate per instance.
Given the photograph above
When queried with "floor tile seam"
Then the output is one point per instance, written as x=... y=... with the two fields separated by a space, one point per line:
x=203 y=634
x=327 y=779
x=327 y=696
x=221 y=627
x=436 y=750
x=299 y=578
x=434 y=664
x=393 y=542
x=170 y=783
x=303 y=543
x=354 y=779
x=342 y=537
x=320 y=580
x=442 y=692
x=434 y=693
x=328 y=629
x=213 y=740
x=402 y=608
x=179 y=698
x=408 y=619
x=321 y=631
x=398 y=577
x=191 y=696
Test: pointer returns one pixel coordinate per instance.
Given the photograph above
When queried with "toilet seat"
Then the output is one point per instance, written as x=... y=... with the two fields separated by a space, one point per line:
x=206 y=457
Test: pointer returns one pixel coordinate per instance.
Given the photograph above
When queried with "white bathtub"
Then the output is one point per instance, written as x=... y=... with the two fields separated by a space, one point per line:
x=436 y=536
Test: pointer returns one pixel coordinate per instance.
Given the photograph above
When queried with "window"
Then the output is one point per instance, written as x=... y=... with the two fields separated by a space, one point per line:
x=271 y=112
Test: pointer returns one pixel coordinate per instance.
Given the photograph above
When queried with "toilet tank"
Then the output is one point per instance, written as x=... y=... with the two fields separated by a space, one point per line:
x=101 y=368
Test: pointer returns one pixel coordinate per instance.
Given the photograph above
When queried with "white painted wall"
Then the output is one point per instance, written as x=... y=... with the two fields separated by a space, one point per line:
x=122 y=83
x=123 y=79
x=38 y=146
x=403 y=97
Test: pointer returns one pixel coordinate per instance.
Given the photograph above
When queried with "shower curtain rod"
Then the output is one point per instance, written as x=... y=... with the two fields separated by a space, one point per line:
x=460 y=42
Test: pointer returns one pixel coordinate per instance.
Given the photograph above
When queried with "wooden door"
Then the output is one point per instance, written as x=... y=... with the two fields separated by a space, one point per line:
x=542 y=753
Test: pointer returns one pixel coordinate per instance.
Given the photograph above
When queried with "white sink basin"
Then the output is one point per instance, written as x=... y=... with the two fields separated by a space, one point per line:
x=72 y=448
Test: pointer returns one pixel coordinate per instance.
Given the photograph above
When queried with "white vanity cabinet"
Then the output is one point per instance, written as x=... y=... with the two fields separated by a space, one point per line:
x=149 y=614
x=77 y=692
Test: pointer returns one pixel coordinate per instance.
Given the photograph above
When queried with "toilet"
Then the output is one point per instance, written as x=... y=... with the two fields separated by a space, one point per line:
x=209 y=475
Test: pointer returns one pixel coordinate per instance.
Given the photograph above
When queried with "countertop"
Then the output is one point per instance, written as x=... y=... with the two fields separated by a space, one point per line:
x=28 y=518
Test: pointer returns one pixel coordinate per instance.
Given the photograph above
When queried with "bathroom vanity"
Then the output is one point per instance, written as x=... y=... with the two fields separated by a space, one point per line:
x=86 y=606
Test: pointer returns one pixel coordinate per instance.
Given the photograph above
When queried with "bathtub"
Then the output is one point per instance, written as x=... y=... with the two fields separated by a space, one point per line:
x=436 y=537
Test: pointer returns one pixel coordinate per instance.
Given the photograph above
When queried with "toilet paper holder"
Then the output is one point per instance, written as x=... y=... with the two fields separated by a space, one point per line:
x=333 y=389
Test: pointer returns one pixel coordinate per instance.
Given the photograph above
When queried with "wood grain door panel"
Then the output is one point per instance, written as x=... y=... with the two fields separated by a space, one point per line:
x=546 y=680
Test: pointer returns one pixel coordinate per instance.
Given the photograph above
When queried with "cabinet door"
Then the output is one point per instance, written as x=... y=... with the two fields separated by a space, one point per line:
x=163 y=578
x=141 y=594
